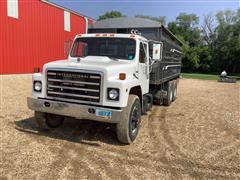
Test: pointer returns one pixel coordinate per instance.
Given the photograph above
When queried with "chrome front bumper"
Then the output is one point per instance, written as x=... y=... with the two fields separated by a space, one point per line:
x=71 y=110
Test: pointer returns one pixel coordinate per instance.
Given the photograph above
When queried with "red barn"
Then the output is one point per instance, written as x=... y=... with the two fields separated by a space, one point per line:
x=33 y=32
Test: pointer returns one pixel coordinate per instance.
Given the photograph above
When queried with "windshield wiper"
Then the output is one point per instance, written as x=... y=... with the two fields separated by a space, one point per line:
x=113 y=58
x=79 y=59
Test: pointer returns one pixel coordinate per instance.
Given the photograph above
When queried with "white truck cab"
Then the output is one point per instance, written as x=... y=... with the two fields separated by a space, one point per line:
x=105 y=78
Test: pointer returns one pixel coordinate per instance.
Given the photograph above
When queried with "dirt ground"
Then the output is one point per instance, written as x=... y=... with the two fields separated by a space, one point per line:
x=197 y=137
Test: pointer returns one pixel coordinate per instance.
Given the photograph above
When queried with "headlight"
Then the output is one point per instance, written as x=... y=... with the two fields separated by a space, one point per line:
x=37 y=86
x=113 y=94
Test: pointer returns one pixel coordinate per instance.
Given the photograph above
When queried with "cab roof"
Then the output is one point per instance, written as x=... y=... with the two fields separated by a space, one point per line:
x=112 y=35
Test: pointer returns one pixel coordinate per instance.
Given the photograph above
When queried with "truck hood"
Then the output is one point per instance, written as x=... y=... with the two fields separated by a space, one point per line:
x=108 y=66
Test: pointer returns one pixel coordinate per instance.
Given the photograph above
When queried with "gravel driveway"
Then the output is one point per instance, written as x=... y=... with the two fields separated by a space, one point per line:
x=197 y=137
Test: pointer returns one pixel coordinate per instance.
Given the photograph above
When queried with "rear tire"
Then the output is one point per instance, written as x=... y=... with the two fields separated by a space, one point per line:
x=168 y=99
x=174 y=91
x=128 y=127
x=145 y=106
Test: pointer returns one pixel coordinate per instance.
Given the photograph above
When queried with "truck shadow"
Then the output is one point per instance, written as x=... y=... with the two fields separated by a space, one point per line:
x=78 y=131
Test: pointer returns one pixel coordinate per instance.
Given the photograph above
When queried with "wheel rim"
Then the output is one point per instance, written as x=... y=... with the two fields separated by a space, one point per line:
x=135 y=118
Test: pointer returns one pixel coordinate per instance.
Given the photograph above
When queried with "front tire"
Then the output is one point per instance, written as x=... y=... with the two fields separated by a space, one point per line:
x=128 y=127
x=40 y=119
x=53 y=120
x=46 y=120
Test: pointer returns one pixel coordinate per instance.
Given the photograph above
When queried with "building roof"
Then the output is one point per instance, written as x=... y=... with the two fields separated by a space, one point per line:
x=66 y=9
x=125 y=22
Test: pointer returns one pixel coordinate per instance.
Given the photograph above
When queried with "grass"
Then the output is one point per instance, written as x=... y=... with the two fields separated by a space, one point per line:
x=203 y=76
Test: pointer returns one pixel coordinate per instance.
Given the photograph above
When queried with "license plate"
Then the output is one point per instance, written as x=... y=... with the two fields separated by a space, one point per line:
x=103 y=113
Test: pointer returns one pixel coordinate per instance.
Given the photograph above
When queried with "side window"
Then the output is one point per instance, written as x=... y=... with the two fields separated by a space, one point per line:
x=67 y=21
x=12 y=8
x=142 y=54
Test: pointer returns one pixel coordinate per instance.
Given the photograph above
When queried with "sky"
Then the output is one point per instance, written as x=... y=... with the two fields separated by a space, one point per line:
x=168 y=8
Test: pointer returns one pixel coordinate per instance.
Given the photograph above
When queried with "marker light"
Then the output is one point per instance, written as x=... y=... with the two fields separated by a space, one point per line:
x=122 y=76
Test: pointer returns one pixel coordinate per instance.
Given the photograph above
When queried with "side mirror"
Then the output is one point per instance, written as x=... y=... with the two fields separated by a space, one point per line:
x=157 y=51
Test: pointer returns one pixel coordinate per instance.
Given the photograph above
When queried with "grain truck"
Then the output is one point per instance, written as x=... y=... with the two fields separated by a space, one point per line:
x=113 y=74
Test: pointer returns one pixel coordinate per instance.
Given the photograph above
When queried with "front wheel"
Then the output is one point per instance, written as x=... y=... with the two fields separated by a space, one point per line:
x=53 y=120
x=128 y=127
x=46 y=120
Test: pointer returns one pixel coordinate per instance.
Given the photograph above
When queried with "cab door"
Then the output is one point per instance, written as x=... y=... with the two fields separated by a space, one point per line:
x=143 y=67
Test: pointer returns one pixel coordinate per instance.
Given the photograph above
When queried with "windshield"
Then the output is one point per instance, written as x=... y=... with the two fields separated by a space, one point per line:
x=118 y=48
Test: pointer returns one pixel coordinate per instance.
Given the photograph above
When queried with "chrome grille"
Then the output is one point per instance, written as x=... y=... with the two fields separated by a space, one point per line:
x=74 y=86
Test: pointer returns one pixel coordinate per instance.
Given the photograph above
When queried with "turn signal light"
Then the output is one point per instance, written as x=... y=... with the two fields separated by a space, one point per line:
x=122 y=76
x=36 y=70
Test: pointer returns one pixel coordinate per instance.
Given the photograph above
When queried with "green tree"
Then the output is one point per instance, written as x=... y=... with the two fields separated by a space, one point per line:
x=186 y=25
x=187 y=21
x=205 y=59
x=186 y=29
x=190 y=59
x=111 y=14
x=208 y=29
x=173 y=27
x=228 y=17
x=226 y=45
